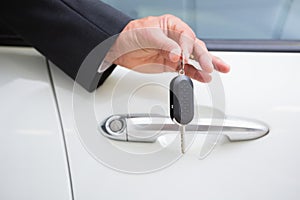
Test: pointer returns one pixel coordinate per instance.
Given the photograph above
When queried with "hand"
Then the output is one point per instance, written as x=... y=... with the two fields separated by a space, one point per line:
x=155 y=44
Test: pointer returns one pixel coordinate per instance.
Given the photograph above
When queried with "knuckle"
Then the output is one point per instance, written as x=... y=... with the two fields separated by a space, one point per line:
x=149 y=18
x=201 y=43
x=168 y=16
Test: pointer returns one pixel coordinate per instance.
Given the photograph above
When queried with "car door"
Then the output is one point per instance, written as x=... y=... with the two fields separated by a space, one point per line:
x=264 y=168
x=32 y=151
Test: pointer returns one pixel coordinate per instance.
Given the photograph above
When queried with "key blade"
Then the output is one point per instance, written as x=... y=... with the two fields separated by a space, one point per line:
x=182 y=139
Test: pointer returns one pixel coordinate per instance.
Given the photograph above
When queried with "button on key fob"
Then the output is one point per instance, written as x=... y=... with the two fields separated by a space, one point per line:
x=182 y=99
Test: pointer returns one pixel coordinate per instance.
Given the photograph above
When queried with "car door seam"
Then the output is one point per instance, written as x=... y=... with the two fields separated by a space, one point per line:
x=62 y=128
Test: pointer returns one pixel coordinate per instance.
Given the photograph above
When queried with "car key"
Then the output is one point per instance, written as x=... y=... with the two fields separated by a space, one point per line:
x=182 y=101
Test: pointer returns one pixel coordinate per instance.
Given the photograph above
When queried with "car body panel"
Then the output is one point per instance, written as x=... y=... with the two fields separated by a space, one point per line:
x=33 y=157
x=261 y=86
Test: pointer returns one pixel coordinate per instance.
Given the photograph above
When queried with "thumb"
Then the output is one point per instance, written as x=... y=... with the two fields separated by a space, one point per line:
x=169 y=48
x=172 y=49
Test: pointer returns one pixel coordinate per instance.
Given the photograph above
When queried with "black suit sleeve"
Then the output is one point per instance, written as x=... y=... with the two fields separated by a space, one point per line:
x=65 y=31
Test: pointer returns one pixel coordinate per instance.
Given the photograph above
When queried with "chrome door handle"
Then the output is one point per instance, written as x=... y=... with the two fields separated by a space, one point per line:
x=146 y=128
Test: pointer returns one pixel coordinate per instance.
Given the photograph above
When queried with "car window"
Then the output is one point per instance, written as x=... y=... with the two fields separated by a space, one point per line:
x=238 y=20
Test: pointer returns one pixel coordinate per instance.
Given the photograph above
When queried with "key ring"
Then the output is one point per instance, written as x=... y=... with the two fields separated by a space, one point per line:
x=181 y=70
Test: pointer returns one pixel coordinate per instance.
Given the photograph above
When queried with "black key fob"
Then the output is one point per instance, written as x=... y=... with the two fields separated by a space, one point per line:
x=182 y=99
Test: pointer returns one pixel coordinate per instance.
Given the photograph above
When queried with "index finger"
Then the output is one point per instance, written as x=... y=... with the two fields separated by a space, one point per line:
x=181 y=33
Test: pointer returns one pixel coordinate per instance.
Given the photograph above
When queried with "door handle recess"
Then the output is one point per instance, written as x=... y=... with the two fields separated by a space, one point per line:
x=146 y=128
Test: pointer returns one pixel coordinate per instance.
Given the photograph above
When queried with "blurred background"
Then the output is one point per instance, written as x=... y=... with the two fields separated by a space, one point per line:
x=230 y=19
x=224 y=25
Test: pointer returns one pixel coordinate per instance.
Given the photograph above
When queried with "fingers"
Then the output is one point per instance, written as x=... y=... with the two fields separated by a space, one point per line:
x=197 y=74
x=187 y=45
x=186 y=38
x=162 y=40
x=168 y=48
x=202 y=55
x=207 y=61
x=220 y=65
x=171 y=48
x=176 y=27
x=181 y=33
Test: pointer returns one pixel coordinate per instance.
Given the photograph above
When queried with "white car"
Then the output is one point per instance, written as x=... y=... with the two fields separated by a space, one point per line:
x=52 y=144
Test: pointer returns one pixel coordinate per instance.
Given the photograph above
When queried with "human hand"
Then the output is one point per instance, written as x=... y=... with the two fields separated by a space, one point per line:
x=155 y=44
